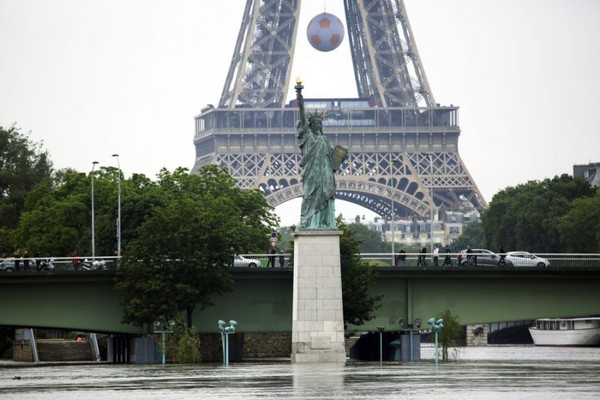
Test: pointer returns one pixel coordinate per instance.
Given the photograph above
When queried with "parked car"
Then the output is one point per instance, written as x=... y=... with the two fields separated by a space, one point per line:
x=7 y=265
x=241 y=261
x=525 y=259
x=479 y=257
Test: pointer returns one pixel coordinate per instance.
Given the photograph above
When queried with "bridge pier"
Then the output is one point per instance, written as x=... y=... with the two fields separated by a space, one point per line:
x=477 y=335
x=118 y=349
x=317 y=312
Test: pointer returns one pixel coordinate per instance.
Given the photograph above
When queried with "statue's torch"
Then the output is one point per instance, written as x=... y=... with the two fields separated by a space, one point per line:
x=298 y=86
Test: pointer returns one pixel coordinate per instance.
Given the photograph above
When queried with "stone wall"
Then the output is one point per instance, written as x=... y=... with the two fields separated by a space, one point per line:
x=22 y=351
x=244 y=346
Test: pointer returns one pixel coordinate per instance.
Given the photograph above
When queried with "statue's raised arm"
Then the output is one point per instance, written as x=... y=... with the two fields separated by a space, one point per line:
x=300 y=98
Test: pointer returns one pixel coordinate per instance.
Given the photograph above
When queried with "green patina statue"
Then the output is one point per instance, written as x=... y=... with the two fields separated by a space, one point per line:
x=319 y=163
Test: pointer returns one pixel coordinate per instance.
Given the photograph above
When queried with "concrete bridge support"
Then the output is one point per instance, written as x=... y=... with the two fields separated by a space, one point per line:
x=477 y=335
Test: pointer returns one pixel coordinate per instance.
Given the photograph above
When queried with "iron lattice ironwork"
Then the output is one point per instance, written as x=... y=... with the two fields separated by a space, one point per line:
x=403 y=148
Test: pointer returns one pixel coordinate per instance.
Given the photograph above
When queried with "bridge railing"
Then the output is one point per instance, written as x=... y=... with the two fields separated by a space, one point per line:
x=557 y=261
x=560 y=261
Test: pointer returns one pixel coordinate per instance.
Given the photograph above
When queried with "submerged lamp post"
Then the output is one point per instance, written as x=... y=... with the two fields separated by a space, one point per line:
x=381 y=329
x=162 y=328
x=435 y=327
x=225 y=332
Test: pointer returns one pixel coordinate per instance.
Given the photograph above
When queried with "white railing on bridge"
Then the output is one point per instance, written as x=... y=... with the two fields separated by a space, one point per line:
x=559 y=261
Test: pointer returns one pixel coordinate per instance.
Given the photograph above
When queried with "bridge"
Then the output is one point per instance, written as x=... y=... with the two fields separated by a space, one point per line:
x=262 y=298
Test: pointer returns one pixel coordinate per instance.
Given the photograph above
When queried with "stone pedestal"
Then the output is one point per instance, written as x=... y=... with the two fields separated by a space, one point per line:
x=317 y=319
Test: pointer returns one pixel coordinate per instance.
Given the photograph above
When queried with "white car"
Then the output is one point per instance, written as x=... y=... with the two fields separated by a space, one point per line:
x=8 y=265
x=479 y=257
x=241 y=261
x=525 y=259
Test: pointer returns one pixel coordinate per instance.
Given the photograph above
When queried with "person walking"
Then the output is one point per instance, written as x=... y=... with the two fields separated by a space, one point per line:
x=447 y=259
x=401 y=258
x=422 y=262
x=25 y=261
x=436 y=254
x=502 y=261
x=17 y=260
x=272 y=253
x=75 y=261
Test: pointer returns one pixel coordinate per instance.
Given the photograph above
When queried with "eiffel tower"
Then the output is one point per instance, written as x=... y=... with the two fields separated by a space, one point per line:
x=403 y=147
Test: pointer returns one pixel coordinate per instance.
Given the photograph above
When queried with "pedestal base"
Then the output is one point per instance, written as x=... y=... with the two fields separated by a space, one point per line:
x=317 y=319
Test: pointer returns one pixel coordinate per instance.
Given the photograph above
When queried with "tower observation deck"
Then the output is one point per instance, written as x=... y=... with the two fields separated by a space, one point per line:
x=403 y=147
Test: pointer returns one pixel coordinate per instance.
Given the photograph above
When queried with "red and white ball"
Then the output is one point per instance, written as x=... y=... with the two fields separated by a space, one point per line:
x=325 y=32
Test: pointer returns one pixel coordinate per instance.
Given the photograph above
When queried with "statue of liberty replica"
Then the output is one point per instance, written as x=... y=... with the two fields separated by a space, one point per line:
x=319 y=163
x=317 y=315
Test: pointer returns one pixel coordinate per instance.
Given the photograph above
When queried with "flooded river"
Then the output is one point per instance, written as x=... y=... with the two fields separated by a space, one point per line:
x=493 y=372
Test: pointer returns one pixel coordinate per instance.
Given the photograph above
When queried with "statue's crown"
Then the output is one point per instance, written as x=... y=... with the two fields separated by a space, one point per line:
x=317 y=116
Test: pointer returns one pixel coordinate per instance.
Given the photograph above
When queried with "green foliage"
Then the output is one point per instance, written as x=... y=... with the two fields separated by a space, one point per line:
x=472 y=235
x=451 y=335
x=528 y=216
x=56 y=217
x=286 y=241
x=580 y=227
x=183 y=344
x=23 y=164
x=357 y=278
x=370 y=240
x=178 y=258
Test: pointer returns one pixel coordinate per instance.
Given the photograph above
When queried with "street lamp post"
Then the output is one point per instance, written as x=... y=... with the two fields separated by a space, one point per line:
x=225 y=332
x=163 y=328
x=436 y=326
x=392 y=187
x=431 y=196
x=381 y=329
x=119 y=209
x=93 y=223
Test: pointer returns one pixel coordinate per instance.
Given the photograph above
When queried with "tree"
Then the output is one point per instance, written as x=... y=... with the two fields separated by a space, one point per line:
x=370 y=240
x=580 y=227
x=357 y=277
x=178 y=259
x=451 y=334
x=526 y=217
x=56 y=219
x=472 y=235
x=23 y=164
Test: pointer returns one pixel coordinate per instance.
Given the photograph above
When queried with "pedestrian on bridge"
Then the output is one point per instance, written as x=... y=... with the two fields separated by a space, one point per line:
x=436 y=253
x=447 y=259
x=422 y=262
x=401 y=258
x=272 y=252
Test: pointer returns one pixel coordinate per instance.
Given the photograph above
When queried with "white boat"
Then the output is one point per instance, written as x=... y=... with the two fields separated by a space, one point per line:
x=566 y=331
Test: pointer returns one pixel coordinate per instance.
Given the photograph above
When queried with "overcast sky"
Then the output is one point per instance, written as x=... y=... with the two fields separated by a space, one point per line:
x=93 y=78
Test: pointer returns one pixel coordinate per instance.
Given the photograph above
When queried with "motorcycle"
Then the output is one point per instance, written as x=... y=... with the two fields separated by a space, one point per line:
x=46 y=265
x=95 y=265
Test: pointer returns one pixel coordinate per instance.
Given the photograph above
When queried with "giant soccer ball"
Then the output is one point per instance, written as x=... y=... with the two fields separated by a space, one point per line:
x=325 y=32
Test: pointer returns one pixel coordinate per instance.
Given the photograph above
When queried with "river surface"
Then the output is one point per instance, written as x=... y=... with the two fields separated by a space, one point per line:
x=490 y=373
